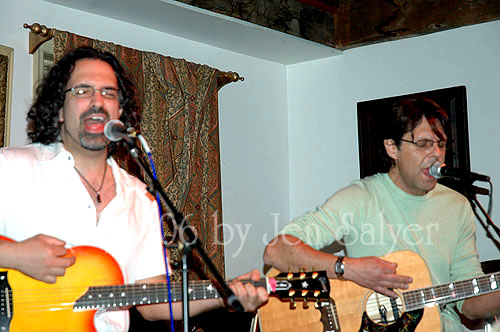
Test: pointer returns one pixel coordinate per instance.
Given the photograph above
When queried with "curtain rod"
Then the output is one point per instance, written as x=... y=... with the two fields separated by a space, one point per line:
x=39 y=34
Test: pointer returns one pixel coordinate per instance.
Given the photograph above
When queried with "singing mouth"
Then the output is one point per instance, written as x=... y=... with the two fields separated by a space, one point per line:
x=95 y=123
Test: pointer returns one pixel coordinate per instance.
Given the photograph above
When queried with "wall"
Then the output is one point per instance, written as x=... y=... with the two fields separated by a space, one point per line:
x=323 y=96
x=262 y=174
x=253 y=116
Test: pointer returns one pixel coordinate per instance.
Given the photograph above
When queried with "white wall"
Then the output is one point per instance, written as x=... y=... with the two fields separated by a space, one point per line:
x=323 y=95
x=310 y=105
x=253 y=116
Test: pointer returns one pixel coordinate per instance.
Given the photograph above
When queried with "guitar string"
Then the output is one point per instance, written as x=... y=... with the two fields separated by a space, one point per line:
x=76 y=292
x=483 y=282
x=150 y=291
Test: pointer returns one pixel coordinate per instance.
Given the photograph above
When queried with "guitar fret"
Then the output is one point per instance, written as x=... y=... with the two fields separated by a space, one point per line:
x=454 y=291
x=127 y=295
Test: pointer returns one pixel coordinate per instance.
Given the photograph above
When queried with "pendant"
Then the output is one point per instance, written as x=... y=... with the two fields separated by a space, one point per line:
x=98 y=197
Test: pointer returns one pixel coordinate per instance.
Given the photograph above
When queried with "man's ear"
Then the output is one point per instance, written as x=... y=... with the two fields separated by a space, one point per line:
x=391 y=148
x=120 y=111
x=61 y=115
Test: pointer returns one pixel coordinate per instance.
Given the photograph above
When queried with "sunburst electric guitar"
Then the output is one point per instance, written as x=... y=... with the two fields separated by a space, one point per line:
x=95 y=281
x=352 y=308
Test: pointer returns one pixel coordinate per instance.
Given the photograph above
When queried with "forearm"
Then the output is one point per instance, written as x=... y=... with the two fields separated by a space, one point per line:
x=8 y=256
x=483 y=306
x=287 y=252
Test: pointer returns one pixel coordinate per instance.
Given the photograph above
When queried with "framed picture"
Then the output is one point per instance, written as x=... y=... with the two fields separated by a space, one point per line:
x=6 y=68
x=43 y=60
x=453 y=100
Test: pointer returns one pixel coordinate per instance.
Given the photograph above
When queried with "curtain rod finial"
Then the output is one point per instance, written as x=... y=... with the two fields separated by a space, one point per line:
x=38 y=35
x=235 y=76
x=225 y=77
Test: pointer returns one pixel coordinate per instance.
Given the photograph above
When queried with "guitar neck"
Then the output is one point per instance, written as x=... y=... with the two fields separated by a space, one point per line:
x=450 y=292
x=137 y=294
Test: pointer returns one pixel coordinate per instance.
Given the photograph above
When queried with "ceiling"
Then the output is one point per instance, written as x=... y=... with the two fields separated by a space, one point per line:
x=292 y=31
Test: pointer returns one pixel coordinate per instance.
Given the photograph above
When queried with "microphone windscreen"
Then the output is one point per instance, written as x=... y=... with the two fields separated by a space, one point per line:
x=112 y=130
x=434 y=169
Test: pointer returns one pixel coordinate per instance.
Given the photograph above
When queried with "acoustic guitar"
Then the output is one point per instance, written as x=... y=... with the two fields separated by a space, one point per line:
x=95 y=281
x=352 y=308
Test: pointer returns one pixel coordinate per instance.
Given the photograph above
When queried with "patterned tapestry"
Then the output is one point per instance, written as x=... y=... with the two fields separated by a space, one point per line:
x=179 y=110
x=4 y=65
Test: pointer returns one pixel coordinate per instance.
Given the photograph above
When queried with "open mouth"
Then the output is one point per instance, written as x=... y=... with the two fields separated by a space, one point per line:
x=427 y=172
x=95 y=123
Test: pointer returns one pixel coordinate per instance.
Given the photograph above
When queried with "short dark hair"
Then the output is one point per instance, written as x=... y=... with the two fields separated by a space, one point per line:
x=43 y=115
x=404 y=116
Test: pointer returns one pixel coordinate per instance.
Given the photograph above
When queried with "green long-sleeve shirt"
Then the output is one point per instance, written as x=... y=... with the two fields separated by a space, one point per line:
x=374 y=217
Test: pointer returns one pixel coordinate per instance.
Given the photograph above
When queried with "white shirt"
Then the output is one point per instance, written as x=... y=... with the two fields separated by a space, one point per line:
x=41 y=193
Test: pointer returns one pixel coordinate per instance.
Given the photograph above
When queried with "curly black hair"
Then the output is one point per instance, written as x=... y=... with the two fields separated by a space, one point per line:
x=43 y=115
x=404 y=116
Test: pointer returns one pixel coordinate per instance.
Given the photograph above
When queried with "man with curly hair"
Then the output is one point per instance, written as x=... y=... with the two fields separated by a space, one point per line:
x=65 y=189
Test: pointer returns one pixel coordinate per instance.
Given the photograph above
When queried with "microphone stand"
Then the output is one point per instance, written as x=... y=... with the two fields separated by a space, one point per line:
x=188 y=241
x=471 y=192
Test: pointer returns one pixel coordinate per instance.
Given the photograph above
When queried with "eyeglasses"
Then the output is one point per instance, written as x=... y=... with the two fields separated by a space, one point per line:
x=426 y=144
x=87 y=91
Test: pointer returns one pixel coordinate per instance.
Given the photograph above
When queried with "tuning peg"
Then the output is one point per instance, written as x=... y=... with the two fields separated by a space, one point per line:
x=315 y=275
x=289 y=276
x=291 y=293
x=293 y=305
x=316 y=293
x=304 y=293
x=305 y=305
x=302 y=276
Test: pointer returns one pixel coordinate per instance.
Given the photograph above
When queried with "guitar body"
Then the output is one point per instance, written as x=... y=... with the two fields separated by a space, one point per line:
x=351 y=299
x=351 y=304
x=43 y=307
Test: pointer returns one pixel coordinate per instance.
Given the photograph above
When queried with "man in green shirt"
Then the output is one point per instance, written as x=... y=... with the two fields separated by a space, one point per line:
x=403 y=209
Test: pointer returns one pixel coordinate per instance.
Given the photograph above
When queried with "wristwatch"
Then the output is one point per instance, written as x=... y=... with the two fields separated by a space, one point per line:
x=340 y=267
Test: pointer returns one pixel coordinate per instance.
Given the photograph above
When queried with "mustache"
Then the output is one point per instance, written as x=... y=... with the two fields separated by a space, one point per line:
x=95 y=110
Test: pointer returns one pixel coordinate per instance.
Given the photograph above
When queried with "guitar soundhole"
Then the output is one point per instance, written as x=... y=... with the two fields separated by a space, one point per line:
x=383 y=310
x=407 y=322
x=385 y=314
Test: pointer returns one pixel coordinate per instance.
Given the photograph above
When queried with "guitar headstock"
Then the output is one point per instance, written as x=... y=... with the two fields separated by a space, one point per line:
x=306 y=286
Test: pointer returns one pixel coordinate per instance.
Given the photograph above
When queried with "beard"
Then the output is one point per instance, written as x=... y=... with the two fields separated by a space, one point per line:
x=93 y=142
x=88 y=140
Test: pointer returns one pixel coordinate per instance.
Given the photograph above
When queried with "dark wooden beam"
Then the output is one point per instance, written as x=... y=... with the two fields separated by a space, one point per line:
x=330 y=6
x=344 y=24
x=308 y=19
x=360 y=23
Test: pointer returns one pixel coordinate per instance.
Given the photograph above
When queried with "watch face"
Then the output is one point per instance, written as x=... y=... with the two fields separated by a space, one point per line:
x=339 y=266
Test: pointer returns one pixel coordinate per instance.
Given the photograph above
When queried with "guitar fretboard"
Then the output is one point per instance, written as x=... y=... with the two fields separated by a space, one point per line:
x=450 y=292
x=130 y=295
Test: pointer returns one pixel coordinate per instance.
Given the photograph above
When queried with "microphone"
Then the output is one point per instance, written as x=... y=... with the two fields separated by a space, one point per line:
x=115 y=130
x=440 y=170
